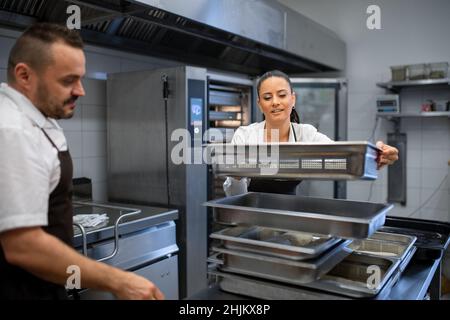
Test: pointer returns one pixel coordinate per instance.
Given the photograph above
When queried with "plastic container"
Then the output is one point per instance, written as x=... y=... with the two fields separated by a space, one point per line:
x=398 y=73
x=438 y=70
x=441 y=105
x=418 y=71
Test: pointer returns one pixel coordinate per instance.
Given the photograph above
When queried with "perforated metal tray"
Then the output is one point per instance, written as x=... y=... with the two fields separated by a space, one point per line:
x=348 y=160
x=274 y=242
x=335 y=217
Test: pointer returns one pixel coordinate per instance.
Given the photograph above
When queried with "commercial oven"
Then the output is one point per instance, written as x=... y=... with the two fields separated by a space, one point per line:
x=157 y=123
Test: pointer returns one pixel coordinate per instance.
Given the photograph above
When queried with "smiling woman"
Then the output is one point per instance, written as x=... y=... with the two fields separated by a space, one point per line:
x=276 y=100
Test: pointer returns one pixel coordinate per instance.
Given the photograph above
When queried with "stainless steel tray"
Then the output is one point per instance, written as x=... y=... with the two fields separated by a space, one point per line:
x=335 y=217
x=274 y=242
x=347 y=160
x=384 y=244
x=296 y=272
x=267 y=290
x=351 y=276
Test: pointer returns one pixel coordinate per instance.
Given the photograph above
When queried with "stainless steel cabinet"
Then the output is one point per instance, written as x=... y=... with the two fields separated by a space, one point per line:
x=164 y=274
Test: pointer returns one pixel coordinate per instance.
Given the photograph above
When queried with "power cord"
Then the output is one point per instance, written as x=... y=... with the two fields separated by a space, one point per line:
x=166 y=98
x=370 y=139
x=432 y=195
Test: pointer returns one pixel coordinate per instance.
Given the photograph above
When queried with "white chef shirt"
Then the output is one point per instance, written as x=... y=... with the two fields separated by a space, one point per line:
x=254 y=134
x=29 y=164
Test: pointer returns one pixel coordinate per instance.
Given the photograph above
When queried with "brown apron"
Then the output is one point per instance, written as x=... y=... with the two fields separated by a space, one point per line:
x=16 y=283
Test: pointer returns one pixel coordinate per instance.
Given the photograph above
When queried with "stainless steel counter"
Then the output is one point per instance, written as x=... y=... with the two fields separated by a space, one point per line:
x=149 y=216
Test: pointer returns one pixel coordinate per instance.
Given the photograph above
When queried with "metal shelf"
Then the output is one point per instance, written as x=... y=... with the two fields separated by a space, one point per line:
x=397 y=85
x=391 y=115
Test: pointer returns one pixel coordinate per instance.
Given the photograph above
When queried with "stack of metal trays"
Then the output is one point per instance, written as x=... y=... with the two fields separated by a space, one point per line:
x=340 y=218
x=375 y=264
x=348 y=160
x=286 y=256
x=369 y=272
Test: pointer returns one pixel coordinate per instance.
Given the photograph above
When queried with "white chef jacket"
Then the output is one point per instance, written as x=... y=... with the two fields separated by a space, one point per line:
x=254 y=134
x=29 y=164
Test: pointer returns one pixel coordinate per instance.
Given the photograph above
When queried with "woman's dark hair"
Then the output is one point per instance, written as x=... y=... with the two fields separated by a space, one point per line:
x=279 y=74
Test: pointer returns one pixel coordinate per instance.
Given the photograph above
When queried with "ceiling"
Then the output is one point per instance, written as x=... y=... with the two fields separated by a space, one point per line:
x=141 y=29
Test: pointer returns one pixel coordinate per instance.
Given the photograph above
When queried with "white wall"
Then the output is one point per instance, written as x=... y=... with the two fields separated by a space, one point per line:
x=86 y=131
x=413 y=31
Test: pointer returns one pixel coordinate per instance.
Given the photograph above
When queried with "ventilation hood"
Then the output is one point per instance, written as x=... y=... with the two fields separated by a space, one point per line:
x=246 y=36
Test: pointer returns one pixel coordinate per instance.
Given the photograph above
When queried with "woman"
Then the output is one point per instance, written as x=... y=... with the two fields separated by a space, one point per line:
x=276 y=100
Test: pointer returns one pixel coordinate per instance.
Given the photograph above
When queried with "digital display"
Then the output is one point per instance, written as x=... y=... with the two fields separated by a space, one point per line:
x=386 y=103
x=196 y=111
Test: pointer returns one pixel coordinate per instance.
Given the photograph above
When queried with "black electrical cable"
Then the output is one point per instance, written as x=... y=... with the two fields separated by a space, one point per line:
x=370 y=139
x=431 y=197
x=166 y=98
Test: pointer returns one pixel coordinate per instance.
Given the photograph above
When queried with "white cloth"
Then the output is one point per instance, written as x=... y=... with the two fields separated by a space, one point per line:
x=29 y=164
x=90 y=220
x=254 y=134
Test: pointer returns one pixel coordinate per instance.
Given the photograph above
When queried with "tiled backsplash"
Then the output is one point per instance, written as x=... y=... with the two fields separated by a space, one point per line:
x=86 y=136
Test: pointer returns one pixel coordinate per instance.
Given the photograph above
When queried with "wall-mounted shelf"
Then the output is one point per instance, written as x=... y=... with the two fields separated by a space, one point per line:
x=397 y=85
x=390 y=115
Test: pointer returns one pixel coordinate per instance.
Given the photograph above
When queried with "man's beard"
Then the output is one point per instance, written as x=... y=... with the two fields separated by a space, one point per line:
x=51 y=108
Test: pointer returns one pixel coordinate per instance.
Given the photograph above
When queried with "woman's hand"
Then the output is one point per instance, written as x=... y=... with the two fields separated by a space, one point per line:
x=388 y=155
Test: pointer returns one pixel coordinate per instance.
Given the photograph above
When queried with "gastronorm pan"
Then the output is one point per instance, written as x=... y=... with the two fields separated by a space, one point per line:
x=284 y=270
x=266 y=289
x=385 y=244
x=355 y=276
x=335 y=217
x=274 y=242
x=347 y=160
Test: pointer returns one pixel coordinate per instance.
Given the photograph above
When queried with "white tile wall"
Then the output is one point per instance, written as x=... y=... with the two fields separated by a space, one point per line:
x=6 y=45
x=95 y=168
x=94 y=118
x=75 y=143
x=94 y=143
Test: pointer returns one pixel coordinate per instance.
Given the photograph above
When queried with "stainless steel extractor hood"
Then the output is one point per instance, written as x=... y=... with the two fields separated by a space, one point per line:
x=248 y=36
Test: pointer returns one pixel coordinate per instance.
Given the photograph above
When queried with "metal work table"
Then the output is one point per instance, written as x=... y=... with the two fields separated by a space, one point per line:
x=136 y=238
x=149 y=216
x=414 y=283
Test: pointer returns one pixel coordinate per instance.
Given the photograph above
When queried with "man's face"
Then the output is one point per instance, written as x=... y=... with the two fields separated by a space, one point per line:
x=59 y=85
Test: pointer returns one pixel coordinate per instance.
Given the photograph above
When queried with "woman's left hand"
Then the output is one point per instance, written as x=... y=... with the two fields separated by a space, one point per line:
x=387 y=156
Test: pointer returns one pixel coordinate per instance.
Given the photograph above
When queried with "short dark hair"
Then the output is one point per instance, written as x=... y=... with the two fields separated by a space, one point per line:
x=278 y=74
x=32 y=47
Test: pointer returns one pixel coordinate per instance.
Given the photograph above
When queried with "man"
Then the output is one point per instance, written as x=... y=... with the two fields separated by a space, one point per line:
x=45 y=69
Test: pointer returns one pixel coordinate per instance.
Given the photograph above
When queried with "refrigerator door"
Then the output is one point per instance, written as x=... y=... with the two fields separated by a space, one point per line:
x=323 y=104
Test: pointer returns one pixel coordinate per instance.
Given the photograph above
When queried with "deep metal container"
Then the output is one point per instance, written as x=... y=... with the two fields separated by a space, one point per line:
x=335 y=217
